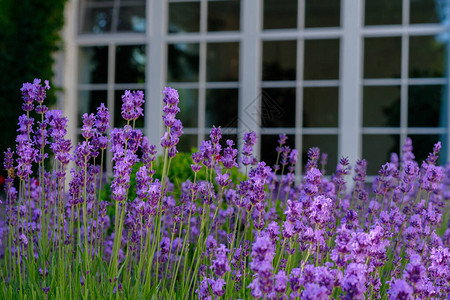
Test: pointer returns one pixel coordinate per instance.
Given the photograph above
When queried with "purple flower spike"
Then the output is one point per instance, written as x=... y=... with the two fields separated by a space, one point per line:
x=131 y=106
x=400 y=290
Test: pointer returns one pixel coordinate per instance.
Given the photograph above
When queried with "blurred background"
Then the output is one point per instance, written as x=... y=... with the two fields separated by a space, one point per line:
x=353 y=77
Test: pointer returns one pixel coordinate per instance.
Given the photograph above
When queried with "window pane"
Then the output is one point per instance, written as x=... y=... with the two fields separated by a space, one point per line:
x=222 y=62
x=132 y=18
x=223 y=15
x=426 y=106
x=382 y=57
x=93 y=64
x=130 y=64
x=187 y=142
x=278 y=107
x=279 y=60
x=428 y=11
x=381 y=106
x=280 y=14
x=322 y=13
x=97 y=20
x=383 y=12
x=88 y=101
x=188 y=107
x=118 y=120
x=327 y=144
x=183 y=62
x=320 y=107
x=377 y=150
x=269 y=143
x=427 y=56
x=184 y=17
x=423 y=145
x=221 y=108
x=321 y=59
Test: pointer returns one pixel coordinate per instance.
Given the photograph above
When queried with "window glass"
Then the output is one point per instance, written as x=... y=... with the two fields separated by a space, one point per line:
x=382 y=12
x=427 y=56
x=320 y=106
x=222 y=62
x=382 y=57
x=321 y=59
x=183 y=62
x=221 y=108
x=426 y=106
x=279 y=60
x=88 y=101
x=322 y=13
x=130 y=64
x=381 y=106
x=184 y=17
x=428 y=11
x=97 y=20
x=327 y=144
x=223 y=15
x=93 y=64
x=279 y=14
x=187 y=142
x=131 y=18
x=278 y=107
x=188 y=107
x=268 y=150
x=423 y=145
x=377 y=149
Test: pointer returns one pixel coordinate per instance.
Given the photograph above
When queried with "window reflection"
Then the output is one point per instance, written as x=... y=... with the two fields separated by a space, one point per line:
x=97 y=20
x=279 y=14
x=377 y=149
x=187 y=143
x=223 y=15
x=183 y=62
x=184 y=17
x=278 y=107
x=426 y=106
x=381 y=106
x=222 y=62
x=321 y=59
x=221 y=108
x=327 y=144
x=322 y=13
x=382 y=57
x=131 y=18
x=268 y=150
x=130 y=64
x=279 y=60
x=428 y=11
x=88 y=101
x=188 y=107
x=320 y=107
x=382 y=12
x=427 y=56
x=93 y=64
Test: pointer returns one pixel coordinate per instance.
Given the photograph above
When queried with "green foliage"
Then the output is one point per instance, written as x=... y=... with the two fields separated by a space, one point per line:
x=179 y=171
x=29 y=35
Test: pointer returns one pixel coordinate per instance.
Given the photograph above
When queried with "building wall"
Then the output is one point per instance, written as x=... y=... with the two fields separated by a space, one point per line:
x=352 y=77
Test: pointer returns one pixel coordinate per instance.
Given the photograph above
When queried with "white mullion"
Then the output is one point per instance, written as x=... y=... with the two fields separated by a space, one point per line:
x=110 y=101
x=115 y=16
x=299 y=100
x=249 y=118
x=404 y=75
x=349 y=139
x=156 y=12
x=202 y=72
